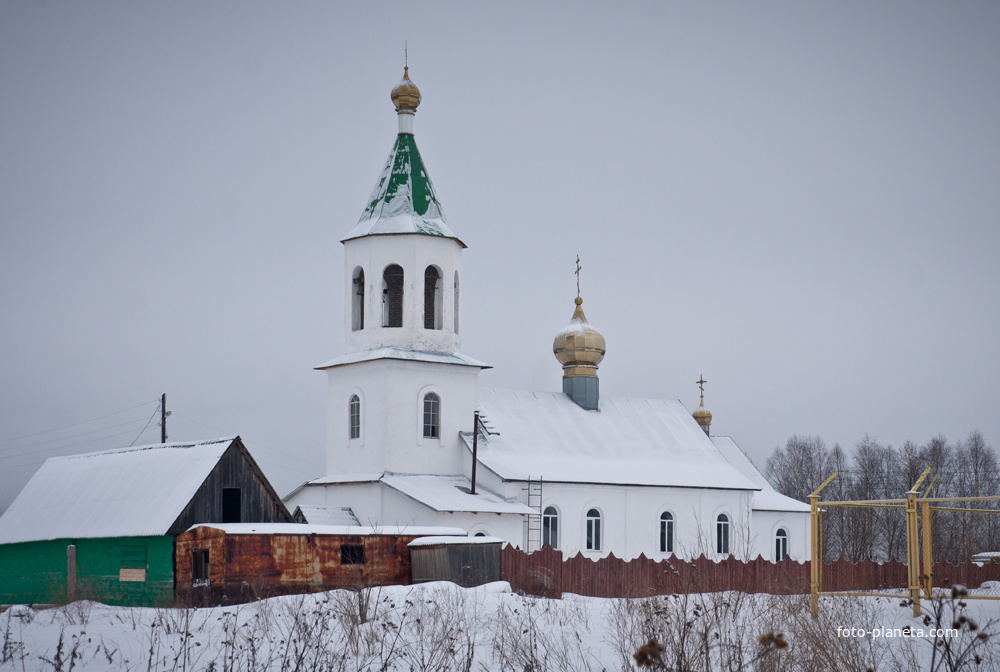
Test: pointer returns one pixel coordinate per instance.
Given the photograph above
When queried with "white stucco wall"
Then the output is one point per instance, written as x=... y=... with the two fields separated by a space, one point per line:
x=796 y=524
x=391 y=393
x=414 y=253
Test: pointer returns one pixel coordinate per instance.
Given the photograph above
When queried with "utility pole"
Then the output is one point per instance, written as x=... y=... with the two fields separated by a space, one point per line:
x=163 y=418
x=475 y=450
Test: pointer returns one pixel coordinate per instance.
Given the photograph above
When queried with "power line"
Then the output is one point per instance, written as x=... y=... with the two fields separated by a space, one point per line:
x=81 y=443
x=62 y=438
x=75 y=424
x=147 y=425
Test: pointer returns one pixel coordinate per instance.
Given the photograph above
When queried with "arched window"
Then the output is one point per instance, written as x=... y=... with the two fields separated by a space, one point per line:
x=593 y=530
x=456 y=302
x=354 y=416
x=480 y=534
x=358 y=300
x=780 y=545
x=722 y=534
x=392 y=296
x=666 y=532
x=550 y=527
x=432 y=416
x=432 y=298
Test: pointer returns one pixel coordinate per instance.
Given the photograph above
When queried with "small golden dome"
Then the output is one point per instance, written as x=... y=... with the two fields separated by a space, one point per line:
x=703 y=416
x=579 y=347
x=406 y=95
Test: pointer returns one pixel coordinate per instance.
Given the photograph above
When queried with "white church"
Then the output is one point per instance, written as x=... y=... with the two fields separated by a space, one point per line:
x=570 y=470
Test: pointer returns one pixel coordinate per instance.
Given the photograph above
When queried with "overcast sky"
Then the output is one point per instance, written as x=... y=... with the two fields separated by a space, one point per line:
x=797 y=200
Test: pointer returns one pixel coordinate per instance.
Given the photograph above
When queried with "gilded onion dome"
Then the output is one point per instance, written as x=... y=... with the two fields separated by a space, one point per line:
x=406 y=95
x=579 y=347
x=703 y=416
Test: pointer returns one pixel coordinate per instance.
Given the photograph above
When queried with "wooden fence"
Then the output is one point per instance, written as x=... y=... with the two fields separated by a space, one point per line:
x=547 y=572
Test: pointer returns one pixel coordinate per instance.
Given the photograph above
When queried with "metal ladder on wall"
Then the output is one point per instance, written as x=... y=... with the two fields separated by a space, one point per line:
x=534 y=523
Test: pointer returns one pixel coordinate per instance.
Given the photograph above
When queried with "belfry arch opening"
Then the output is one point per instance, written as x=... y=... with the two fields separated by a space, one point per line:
x=432 y=297
x=392 y=296
x=358 y=300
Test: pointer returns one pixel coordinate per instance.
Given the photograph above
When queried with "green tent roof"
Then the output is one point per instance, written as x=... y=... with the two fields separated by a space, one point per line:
x=403 y=200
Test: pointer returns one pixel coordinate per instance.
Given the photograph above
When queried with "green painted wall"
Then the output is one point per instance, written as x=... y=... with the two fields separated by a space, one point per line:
x=35 y=571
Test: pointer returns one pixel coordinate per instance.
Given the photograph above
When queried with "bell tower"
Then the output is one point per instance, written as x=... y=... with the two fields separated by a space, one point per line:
x=401 y=393
x=402 y=260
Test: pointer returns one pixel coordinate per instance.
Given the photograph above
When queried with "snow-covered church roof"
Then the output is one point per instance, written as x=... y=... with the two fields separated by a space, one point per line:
x=767 y=498
x=128 y=492
x=627 y=442
x=403 y=200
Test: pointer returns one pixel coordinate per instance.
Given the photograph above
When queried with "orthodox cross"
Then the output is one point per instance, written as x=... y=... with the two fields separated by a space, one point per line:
x=701 y=384
x=578 y=276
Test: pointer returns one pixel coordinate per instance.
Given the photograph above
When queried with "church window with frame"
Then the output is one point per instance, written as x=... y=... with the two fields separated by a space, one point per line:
x=722 y=534
x=392 y=296
x=432 y=416
x=666 y=532
x=780 y=545
x=358 y=300
x=550 y=527
x=354 y=416
x=432 y=298
x=594 y=530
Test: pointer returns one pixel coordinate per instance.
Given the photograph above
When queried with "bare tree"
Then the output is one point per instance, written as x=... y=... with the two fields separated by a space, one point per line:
x=799 y=468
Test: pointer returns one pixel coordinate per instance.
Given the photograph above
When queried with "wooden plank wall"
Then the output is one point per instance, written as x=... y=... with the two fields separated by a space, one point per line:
x=258 y=503
x=547 y=572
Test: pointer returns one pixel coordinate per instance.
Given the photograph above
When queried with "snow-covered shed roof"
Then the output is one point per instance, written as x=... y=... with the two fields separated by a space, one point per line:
x=327 y=515
x=767 y=498
x=403 y=354
x=127 y=492
x=403 y=200
x=450 y=494
x=628 y=442
x=336 y=530
x=454 y=541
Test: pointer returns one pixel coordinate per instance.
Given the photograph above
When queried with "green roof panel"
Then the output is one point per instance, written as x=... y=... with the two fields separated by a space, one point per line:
x=403 y=200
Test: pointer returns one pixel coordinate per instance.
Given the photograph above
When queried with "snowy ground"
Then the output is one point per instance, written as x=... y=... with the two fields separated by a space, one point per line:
x=442 y=627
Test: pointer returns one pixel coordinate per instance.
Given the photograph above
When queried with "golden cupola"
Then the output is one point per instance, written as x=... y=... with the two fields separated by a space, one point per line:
x=703 y=416
x=579 y=347
x=406 y=95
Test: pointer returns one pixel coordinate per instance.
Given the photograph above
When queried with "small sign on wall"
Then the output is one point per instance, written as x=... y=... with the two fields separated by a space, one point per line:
x=131 y=574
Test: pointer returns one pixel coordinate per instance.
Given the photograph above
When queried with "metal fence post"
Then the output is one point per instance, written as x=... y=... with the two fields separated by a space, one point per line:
x=816 y=557
x=913 y=551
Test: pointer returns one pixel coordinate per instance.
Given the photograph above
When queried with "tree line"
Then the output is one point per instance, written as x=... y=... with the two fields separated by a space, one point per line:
x=874 y=471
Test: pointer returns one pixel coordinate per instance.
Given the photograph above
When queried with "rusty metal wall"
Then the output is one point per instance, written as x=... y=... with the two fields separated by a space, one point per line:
x=250 y=566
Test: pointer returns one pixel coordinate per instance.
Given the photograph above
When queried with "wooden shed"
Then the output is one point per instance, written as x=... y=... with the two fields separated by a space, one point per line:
x=243 y=562
x=102 y=525
x=467 y=561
